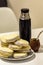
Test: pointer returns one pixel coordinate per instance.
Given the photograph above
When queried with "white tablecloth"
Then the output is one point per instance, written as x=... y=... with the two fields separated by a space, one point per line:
x=37 y=59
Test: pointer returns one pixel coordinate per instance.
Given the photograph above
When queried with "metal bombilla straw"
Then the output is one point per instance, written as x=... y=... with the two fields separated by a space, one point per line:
x=39 y=36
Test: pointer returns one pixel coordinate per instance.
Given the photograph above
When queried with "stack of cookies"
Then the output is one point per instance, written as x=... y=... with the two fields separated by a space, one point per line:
x=12 y=46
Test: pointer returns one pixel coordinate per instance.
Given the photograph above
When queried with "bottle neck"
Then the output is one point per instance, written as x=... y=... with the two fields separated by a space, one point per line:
x=24 y=16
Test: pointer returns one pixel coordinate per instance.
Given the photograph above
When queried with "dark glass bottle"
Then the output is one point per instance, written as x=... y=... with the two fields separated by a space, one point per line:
x=25 y=25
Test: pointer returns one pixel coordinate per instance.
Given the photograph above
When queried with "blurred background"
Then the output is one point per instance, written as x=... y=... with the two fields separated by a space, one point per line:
x=35 y=6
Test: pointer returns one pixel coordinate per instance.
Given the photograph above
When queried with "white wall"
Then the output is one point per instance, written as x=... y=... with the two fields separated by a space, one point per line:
x=36 y=10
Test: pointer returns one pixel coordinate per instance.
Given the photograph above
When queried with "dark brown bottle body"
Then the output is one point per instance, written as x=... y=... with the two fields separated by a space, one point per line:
x=25 y=27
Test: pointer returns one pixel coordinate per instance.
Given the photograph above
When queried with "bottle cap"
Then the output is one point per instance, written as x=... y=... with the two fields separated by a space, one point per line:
x=24 y=10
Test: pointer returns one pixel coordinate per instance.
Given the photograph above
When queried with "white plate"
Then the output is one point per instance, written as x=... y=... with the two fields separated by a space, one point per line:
x=30 y=54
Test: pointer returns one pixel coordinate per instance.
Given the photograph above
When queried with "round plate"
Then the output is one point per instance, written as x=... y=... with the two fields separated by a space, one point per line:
x=30 y=54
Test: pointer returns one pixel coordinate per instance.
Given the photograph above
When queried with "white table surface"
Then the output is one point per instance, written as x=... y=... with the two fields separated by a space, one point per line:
x=37 y=59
